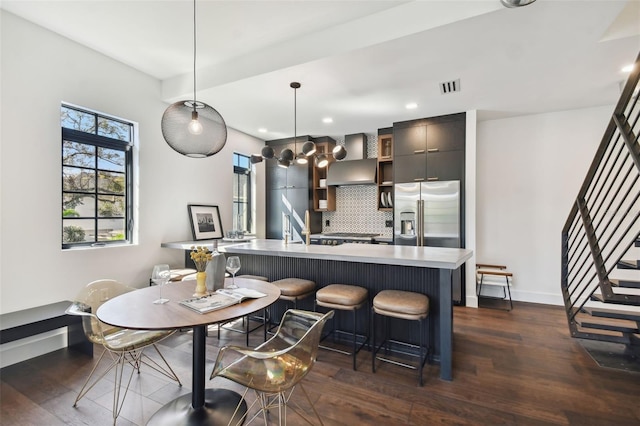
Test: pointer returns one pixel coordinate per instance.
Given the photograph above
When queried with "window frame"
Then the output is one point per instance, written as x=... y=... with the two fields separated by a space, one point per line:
x=99 y=141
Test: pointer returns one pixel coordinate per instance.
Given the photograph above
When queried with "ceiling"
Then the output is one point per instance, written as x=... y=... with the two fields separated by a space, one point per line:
x=360 y=62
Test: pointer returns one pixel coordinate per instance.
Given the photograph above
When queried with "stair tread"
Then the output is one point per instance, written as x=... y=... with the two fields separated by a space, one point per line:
x=607 y=312
x=601 y=332
x=606 y=329
x=628 y=264
x=620 y=300
x=602 y=323
x=624 y=291
x=628 y=284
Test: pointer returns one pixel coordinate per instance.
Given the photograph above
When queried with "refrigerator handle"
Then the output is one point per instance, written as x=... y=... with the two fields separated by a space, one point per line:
x=420 y=223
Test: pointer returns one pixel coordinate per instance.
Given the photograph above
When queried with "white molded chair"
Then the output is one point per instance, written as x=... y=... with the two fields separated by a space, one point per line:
x=123 y=345
x=276 y=367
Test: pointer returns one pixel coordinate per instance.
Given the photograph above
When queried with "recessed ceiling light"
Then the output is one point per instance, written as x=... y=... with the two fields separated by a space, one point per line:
x=327 y=120
x=262 y=130
x=411 y=105
x=627 y=68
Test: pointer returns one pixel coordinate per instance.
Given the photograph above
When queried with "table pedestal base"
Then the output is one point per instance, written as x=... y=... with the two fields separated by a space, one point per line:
x=218 y=409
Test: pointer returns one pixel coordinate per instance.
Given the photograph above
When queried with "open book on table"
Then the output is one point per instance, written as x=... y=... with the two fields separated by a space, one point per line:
x=221 y=299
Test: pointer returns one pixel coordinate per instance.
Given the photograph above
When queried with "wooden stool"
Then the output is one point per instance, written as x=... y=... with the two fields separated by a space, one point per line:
x=342 y=297
x=494 y=275
x=404 y=305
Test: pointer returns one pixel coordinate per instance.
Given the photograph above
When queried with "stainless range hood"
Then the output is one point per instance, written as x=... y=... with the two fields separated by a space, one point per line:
x=356 y=169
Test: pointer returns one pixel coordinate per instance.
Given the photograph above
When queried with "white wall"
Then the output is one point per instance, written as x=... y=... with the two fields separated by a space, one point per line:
x=470 y=174
x=529 y=171
x=39 y=70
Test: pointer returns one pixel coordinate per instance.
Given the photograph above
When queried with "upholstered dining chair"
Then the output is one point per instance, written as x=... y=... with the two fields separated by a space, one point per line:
x=276 y=367
x=123 y=345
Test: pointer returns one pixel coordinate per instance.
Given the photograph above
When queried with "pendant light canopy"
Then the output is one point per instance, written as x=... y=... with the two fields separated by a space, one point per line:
x=194 y=128
x=516 y=3
x=308 y=148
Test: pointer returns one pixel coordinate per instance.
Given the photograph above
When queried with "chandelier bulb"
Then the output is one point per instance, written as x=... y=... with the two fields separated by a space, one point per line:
x=301 y=159
x=194 y=127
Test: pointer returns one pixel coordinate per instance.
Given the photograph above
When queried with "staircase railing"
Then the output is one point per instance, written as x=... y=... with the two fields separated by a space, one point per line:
x=604 y=220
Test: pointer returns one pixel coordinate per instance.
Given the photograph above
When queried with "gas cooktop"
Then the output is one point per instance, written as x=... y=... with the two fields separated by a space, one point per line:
x=347 y=235
x=336 y=238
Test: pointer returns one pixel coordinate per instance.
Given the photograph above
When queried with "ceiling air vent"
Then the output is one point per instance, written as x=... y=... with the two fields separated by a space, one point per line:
x=450 y=86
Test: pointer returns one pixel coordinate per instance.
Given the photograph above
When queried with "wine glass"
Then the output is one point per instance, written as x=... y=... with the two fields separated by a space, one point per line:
x=160 y=276
x=233 y=266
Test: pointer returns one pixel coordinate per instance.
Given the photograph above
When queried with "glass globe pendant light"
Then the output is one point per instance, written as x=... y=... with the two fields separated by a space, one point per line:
x=516 y=3
x=194 y=128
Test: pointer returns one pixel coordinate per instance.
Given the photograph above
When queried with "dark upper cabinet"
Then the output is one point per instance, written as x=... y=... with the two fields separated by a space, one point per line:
x=445 y=165
x=429 y=149
x=409 y=140
x=447 y=136
x=295 y=176
x=410 y=168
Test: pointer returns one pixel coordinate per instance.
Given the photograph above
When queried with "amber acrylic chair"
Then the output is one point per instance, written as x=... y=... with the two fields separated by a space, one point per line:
x=276 y=367
x=123 y=345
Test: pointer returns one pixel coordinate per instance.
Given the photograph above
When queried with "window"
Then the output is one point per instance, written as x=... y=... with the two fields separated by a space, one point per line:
x=96 y=178
x=242 y=207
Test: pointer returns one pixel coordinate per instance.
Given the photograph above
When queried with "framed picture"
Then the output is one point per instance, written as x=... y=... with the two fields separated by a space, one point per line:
x=205 y=222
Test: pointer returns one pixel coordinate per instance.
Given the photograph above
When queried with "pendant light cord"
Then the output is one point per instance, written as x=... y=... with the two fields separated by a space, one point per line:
x=194 y=55
x=295 y=120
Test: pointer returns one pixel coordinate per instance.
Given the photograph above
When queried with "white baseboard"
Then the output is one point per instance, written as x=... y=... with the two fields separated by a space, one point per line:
x=33 y=346
x=521 y=296
x=533 y=297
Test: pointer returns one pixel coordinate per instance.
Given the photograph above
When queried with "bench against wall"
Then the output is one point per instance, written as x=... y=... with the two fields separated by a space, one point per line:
x=33 y=321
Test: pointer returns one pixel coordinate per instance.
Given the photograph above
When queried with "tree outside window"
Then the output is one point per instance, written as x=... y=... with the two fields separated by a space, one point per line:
x=96 y=178
x=242 y=220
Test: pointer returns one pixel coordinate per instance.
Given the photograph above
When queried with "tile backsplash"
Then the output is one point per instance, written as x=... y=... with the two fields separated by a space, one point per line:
x=357 y=205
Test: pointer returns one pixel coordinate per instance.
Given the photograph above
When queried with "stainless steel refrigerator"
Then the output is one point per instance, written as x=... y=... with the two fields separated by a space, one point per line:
x=428 y=214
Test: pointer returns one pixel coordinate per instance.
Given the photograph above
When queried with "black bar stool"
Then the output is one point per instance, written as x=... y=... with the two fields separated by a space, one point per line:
x=404 y=305
x=294 y=289
x=246 y=330
x=343 y=297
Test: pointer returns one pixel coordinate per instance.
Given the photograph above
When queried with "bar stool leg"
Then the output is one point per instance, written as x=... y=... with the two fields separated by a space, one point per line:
x=355 y=323
x=420 y=358
x=387 y=332
x=373 y=340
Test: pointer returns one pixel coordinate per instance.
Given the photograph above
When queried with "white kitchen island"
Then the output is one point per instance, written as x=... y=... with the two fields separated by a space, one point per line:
x=426 y=270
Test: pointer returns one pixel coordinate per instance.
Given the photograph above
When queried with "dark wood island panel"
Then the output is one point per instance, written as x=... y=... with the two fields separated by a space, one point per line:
x=366 y=266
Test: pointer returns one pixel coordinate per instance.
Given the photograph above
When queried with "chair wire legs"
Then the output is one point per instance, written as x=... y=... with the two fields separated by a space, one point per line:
x=118 y=360
x=84 y=389
x=281 y=400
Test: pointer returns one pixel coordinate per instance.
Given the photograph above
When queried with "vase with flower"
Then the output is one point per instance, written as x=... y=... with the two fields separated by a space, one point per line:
x=201 y=256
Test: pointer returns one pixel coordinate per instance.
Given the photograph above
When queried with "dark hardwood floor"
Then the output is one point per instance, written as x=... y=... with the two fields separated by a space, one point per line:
x=511 y=368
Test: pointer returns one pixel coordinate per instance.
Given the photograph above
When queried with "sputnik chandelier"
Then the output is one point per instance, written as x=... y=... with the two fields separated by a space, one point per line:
x=287 y=156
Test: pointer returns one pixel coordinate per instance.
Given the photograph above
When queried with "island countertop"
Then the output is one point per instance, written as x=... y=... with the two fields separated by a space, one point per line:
x=425 y=257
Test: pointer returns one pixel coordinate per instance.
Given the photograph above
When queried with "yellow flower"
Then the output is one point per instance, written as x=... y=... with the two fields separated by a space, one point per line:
x=201 y=257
